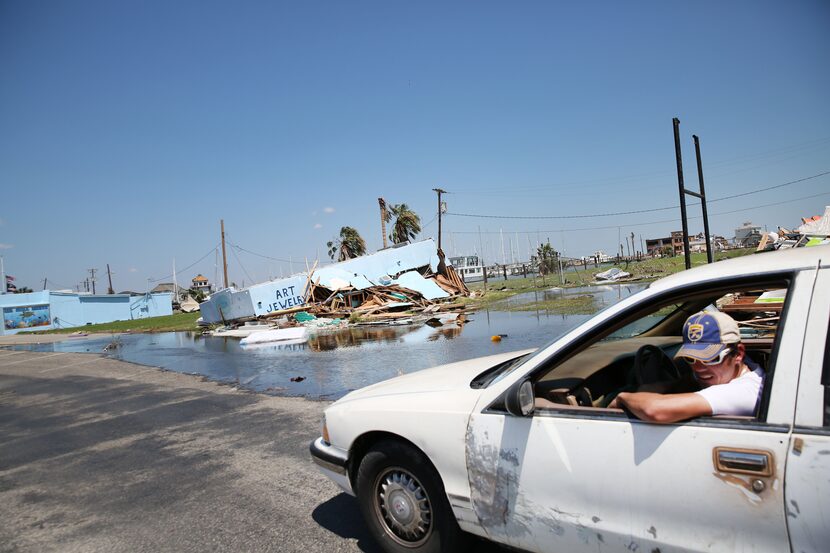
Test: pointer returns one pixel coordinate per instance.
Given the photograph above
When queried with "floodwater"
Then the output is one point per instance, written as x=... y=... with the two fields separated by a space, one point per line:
x=604 y=295
x=333 y=363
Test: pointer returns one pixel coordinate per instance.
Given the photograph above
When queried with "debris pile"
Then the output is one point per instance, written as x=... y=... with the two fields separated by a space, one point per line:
x=612 y=275
x=427 y=294
x=407 y=279
x=814 y=231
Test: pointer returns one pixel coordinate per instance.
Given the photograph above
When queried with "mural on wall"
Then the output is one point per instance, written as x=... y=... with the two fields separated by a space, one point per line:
x=29 y=316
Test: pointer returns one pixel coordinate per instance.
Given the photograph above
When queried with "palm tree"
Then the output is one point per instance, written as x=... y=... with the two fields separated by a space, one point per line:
x=547 y=258
x=407 y=223
x=349 y=244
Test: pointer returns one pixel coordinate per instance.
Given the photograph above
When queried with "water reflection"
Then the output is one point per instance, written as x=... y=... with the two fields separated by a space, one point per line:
x=332 y=363
x=603 y=295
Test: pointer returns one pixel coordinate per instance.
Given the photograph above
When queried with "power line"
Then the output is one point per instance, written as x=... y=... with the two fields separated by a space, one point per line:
x=213 y=249
x=240 y=248
x=244 y=270
x=633 y=212
x=626 y=225
x=767 y=188
x=819 y=142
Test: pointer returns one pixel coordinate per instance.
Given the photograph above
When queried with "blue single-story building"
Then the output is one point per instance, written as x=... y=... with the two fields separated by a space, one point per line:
x=47 y=310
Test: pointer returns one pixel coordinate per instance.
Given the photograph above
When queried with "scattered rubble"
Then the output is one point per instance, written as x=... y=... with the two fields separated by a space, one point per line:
x=814 y=231
x=402 y=285
x=612 y=275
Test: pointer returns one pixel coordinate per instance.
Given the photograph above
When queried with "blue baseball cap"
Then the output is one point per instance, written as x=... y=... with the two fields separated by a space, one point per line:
x=706 y=334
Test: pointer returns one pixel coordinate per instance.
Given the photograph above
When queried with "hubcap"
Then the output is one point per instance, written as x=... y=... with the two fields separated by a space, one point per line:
x=402 y=504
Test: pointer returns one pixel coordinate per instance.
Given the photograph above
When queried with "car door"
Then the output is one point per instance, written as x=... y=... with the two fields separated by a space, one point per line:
x=585 y=479
x=808 y=461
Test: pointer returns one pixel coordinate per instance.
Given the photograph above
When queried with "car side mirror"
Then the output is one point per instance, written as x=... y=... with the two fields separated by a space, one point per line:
x=519 y=399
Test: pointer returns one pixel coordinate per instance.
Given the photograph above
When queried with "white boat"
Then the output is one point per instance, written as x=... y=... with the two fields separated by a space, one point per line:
x=189 y=305
x=241 y=331
x=293 y=333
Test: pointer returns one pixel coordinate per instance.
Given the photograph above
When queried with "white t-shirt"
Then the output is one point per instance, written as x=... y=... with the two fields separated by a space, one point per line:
x=739 y=397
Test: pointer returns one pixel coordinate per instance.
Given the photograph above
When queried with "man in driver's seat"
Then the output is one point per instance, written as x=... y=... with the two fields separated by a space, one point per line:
x=730 y=382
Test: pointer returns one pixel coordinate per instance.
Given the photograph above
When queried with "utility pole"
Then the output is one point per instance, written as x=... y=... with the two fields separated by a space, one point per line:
x=710 y=255
x=382 y=204
x=686 y=253
x=44 y=283
x=633 y=249
x=439 y=191
x=224 y=255
x=92 y=278
x=109 y=278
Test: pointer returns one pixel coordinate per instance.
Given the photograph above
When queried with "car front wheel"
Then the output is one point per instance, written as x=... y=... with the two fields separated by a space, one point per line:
x=403 y=501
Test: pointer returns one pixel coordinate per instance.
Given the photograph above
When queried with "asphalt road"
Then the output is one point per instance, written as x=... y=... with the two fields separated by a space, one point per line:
x=102 y=455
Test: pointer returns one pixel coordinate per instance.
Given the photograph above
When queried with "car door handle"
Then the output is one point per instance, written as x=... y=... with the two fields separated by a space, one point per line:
x=743 y=461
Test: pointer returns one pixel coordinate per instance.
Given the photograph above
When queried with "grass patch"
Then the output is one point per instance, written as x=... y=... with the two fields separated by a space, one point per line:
x=169 y=323
x=577 y=305
x=646 y=270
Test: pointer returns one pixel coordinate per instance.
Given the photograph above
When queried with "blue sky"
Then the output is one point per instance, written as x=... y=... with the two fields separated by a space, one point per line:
x=129 y=129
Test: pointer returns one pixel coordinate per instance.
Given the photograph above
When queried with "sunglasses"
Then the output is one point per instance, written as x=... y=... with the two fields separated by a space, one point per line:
x=716 y=361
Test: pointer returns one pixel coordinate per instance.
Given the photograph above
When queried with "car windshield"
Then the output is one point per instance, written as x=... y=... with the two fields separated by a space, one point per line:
x=643 y=324
x=494 y=374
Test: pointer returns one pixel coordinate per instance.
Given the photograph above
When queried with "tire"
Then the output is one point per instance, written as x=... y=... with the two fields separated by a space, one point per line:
x=403 y=502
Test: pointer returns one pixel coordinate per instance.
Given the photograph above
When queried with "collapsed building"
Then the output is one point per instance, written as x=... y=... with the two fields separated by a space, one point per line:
x=410 y=277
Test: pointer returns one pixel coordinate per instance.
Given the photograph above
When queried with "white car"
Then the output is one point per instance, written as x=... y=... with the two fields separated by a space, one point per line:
x=521 y=449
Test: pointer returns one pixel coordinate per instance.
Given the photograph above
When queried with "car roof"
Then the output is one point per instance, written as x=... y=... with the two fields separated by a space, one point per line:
x=753 y=264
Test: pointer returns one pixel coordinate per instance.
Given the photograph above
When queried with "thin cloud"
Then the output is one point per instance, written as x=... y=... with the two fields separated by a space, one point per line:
x=133 y=270
x=328 y=210
x=6 y=246
x=318 y=225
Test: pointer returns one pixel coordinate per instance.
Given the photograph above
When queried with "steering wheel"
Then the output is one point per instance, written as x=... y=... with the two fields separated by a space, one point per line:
x=652 y=364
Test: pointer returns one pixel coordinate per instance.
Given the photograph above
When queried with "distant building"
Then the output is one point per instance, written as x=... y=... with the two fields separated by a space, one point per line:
x=201 y=284
x=656 y=247
x=747 y=235
x=697 y=243
x=181 y=294
x=599 y=256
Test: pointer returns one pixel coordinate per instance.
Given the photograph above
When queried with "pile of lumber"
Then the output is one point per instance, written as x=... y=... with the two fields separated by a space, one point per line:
x=451 y=283
x=383 y=302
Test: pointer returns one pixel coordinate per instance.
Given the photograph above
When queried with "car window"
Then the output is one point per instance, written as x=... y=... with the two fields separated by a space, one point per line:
x=643 y=324
x=609 y=364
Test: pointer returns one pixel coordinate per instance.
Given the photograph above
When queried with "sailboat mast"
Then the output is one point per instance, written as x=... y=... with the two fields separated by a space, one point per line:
x=224 y=256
